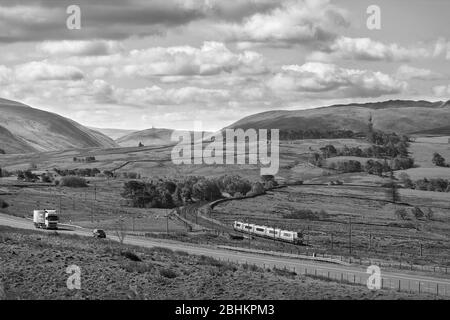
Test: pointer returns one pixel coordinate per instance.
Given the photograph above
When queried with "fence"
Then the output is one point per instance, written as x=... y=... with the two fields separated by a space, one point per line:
x=388 y=282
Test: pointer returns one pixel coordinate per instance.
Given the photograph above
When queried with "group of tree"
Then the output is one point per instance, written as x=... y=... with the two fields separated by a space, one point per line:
x=416 y=212
x=3 y=204
x=73 y=182
x=27 y=175
x=83 y=172
x=316 y=134
x=84 y=160
x=4 y=173
x=386 y=146
x=374 y=167
x=439 y=160
x=172 y=193
x=2 y=151
x=437 y=185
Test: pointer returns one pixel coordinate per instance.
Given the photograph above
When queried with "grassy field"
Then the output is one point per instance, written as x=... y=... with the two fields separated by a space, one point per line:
x=98 y=206
x=156 y=161
x=376 y=230
x=33 y=266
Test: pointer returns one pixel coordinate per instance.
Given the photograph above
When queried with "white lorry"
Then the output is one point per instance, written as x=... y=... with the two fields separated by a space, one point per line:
x=45 y=219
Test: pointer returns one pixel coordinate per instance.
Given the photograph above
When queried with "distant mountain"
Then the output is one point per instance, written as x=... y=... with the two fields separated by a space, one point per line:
x=149 y=137
x=398 y=116
x=113 y=133
x=25 y=129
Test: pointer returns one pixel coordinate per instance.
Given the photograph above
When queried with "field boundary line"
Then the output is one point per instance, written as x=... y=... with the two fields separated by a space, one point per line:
x=285 y=255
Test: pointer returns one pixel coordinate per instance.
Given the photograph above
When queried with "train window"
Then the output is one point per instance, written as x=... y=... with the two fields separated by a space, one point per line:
x=248 y=227
x=260 y=229
x=270 y=231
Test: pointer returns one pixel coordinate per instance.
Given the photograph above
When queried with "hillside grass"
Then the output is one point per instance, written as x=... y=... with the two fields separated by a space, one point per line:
x=33 y=266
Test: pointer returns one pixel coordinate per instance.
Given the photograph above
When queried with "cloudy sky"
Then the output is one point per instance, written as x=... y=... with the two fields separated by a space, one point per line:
x=168 y=63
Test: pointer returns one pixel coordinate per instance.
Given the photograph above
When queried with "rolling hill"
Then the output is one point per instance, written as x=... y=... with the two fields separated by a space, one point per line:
x=149 y=137
x=11 y=144
x=25 y=129
x=398 y=116
x=113 y=133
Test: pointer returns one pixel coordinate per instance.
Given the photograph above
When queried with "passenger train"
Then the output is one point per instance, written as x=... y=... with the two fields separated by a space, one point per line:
x=269 y=232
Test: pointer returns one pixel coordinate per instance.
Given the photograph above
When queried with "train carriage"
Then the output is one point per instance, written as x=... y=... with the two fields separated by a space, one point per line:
x=268 y=232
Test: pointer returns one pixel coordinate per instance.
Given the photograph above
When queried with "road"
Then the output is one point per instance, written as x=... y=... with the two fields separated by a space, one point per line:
x=354 y=274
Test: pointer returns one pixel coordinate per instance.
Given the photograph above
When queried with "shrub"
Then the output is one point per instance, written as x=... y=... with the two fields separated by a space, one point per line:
x=307 y=214
x=130 y=255
x=167 y=273
x=257 y=188
x=438 y=160
x=284 y=272
x=73 y=182
x=401 y=213
x=418 y=213
x=252 y=267
x=429 y=214
x=162 y=250
x=3 y=204
x=139 y=267
x=181 y=253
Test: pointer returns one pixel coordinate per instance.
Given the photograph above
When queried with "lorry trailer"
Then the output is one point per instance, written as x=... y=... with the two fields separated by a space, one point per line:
x=45 y=219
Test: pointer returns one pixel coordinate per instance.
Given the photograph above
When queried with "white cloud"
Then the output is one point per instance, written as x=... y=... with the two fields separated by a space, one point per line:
x=211 y=59
x=173 y=96
x=442 y=91
x=316 y=77
x=300 y=21
x=79 y=48
x=442 y=48
x=43 y=71
x=368 y=49
x=5 y=74
x=27 y=14
x=406 y=72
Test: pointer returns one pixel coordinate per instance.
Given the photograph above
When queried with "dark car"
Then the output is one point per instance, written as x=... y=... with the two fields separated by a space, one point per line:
x=99 y=233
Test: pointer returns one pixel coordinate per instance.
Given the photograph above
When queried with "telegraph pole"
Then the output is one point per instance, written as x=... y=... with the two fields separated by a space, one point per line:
x=331 y=241
x=350 y=235
x=167 y=222
x=60 y=196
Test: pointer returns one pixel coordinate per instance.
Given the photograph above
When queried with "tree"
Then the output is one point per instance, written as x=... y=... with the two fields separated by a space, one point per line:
x=392 y=193
x=73 y=182
x=328 y=151
x=429 y=214
x=418 y=213
x=438 y=160
x=401 y=213
x=370 y=131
